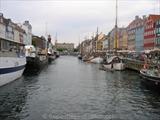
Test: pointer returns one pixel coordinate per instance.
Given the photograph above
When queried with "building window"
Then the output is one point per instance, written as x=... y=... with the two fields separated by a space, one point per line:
x=0 y=44
x=5 y=45
x=158 y=40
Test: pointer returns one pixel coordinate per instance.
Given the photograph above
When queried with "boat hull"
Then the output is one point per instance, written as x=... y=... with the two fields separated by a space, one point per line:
x=97 y=60
x=150 y=80
x=11 y=68
x=35 y=64
x=51 y=58
x=116 y=66
x=79 y=57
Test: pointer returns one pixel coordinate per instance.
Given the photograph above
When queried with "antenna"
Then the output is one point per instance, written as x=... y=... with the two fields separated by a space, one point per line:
x=96 y=39
x=0 y=6
x=79 y=44
x=55 y=41
x=159 y=6
x=116 y=12
x=56 y=38
x=46 y=34
x=97 y=31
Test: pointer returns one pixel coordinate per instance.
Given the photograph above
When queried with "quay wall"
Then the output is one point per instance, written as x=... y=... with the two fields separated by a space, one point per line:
x=136 y=64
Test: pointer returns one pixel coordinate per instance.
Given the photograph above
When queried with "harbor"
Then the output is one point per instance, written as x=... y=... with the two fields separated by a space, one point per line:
x=84 y=61
x=85 y=92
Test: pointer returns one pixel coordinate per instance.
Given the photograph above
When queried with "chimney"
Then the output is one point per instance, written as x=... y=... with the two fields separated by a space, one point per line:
x=136 y=17
x=26 y=22
x=1 y=14
x=144 y=17
x=9 y=20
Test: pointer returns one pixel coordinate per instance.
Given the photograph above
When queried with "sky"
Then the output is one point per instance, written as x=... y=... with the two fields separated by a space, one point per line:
x=75 y=20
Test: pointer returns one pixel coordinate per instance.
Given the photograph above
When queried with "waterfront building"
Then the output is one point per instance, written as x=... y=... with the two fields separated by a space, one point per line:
x=86 y=47
x=65 y=46
x=40 y=43
x=106 y=43
x=111 y=39
x=135 y=33
x=99 y=42
x=157 y=42
x=11 y=31
x=150 y=32
x=139 y=40
x=28 y=30
x=123 y=38
x=12 y=59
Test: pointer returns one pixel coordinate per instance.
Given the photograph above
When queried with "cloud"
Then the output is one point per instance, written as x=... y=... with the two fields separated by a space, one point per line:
x=71 y=19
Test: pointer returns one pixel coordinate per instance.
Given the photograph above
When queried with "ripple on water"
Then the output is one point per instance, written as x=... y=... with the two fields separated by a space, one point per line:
x=71 y=89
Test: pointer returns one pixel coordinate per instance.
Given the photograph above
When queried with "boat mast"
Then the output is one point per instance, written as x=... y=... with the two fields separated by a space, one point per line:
x=79 y=45
x=96 y=40
x=116 y=27
x=0 y=6
x=56 y=41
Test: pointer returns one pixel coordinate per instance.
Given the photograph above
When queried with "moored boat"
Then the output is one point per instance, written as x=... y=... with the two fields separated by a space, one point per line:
x=51 y=55
x=35 y=61
x=12 y=57
x=80 y=56
x=151 y=76
x=97 y=60
x=114 y=63
x=12 y=62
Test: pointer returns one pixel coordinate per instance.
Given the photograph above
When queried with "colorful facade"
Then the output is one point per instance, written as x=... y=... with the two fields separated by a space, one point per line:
x=157 y=42
x=150 y=32
x=99 y=45
x=123 y=38
x=106 y=43
x=135 y=33
x=112 y=38
x=139 y=39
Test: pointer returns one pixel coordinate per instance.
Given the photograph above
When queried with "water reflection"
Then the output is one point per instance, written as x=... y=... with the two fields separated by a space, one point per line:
x=71 y=89
x=12 y=100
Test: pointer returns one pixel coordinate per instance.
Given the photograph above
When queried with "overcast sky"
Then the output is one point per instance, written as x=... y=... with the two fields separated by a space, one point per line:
x=74 y=19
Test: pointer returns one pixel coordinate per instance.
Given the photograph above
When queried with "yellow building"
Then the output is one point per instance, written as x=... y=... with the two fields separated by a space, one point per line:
x=65 y=46
x=99 y=42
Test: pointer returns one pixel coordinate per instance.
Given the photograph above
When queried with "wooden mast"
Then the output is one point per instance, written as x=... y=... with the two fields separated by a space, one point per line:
x=116 y=27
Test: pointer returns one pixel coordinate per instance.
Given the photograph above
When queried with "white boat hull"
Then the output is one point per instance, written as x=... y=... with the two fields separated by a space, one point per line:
x=11 y=68
x=116 y=66
x=97 y=60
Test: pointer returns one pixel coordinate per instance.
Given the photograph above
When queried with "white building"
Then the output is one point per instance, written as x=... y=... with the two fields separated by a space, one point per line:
x=10 y=31
x=28 y=30
x=2 y=27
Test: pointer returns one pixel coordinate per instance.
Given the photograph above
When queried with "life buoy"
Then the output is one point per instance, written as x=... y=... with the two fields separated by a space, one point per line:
x=145 y=66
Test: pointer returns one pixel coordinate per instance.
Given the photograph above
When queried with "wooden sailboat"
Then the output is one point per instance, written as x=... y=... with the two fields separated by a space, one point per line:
x=114 y=62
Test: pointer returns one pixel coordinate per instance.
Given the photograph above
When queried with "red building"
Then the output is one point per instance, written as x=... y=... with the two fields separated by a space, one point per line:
x=149 y=31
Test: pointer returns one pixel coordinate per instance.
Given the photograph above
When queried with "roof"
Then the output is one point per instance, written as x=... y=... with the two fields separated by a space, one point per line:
x=154 y=17
x=109 y=60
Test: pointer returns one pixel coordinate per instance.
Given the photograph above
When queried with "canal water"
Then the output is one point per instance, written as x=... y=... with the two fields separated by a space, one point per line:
x=70 y=89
